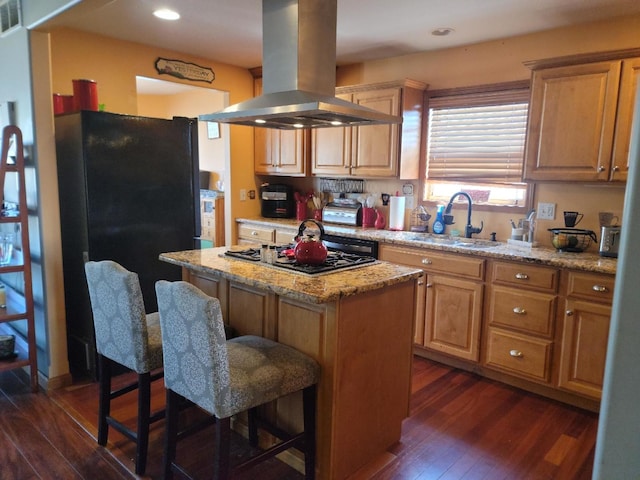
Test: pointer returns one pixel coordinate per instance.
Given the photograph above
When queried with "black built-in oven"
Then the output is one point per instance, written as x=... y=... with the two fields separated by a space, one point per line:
x=355 y=246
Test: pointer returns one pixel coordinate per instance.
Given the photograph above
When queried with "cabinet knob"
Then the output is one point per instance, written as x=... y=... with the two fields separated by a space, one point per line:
x=615 y=168
x=516 y=353
x=522 y=276
x=519 y=311
x=254 y=233
x=599 y=288
x=429 y=285
x=420 y=283
x=347 y=166
x=569 y=313
x=426 y=261
x=601 y=168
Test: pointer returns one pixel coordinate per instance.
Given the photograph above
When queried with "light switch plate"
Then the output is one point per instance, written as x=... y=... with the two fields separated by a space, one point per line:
x=546 y=211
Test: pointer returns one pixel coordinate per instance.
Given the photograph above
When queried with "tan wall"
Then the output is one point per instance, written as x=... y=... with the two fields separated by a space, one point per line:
x=501 y=61
x=114 y=65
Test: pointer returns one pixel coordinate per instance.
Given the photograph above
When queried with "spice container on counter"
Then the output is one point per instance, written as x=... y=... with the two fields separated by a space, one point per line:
x=272 y=255
x=264 y=252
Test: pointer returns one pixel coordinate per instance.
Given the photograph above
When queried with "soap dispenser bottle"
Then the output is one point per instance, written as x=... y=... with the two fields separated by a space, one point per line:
x=438 y=224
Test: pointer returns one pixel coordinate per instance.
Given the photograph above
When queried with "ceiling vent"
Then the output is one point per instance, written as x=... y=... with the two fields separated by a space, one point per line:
x=9 y=15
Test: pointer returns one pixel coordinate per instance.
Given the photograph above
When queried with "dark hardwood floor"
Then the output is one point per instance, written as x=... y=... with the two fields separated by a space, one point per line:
x=461 y=426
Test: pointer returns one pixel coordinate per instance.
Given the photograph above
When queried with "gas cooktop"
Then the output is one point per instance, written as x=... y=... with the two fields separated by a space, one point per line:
x=335 y=261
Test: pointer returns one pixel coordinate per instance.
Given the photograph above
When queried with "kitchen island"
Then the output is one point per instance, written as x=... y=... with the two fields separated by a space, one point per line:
x=357 y=323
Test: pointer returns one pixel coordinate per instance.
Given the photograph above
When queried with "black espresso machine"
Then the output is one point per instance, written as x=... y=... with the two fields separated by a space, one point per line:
x=276 y=201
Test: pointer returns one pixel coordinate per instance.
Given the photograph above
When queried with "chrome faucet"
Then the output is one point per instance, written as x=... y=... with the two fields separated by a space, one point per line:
x=448 y=219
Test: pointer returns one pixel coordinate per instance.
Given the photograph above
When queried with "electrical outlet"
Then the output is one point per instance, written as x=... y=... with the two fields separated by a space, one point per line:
x=243 y=194
x=546 y=211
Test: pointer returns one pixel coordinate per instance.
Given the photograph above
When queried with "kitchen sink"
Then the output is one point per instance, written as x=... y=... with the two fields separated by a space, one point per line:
x=452 y=241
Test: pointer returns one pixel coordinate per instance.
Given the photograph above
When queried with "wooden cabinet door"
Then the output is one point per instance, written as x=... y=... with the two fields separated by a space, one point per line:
x=374 y=148
x=572 y=118
x=331 y=149
x=280 y=152
x=453 y=316
x=265 y=148
x=626 y=101
x=421 y=303
x=583 y=352
x=251 y=310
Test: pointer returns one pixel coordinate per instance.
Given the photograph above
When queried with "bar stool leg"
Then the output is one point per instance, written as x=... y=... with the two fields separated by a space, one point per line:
x=144 y=412
x=172 y=408
x=104 y=407
x=223 y=437
x=309 y=412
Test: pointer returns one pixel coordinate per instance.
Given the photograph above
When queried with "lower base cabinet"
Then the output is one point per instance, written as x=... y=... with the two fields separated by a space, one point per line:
x=365 y=384
x=585 y=333
x=453 y=316
x=533 y=326
x=450 y=299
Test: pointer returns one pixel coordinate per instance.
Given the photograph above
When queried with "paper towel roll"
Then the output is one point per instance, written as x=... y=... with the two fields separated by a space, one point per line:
x=396 y=213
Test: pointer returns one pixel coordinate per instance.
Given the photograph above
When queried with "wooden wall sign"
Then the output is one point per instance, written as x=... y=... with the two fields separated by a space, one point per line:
x=184 y=70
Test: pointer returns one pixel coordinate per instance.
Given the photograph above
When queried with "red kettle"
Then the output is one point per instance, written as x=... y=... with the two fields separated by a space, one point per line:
x=310 y=250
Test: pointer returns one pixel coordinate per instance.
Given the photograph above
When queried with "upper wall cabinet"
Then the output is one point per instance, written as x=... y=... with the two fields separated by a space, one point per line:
x=374 y=150
x=280 y=152
x=580 y=117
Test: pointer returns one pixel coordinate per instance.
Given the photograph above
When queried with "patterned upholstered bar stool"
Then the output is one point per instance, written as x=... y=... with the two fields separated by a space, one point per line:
x=128 y=336
x=228 y=377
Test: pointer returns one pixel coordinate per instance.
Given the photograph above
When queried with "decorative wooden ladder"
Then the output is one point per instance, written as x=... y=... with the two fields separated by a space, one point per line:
x=19 y=305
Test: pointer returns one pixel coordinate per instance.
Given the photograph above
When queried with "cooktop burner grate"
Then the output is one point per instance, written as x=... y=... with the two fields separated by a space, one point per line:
x=335 y=260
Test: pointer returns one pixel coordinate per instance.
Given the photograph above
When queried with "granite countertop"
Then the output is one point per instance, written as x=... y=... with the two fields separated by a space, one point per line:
x=306 y=288
x=585 y=261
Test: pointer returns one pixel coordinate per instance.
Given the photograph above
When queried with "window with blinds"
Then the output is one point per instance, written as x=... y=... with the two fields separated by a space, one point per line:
x=476 y=141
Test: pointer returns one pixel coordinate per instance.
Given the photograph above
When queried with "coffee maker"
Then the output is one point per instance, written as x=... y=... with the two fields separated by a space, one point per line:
x=276 y=201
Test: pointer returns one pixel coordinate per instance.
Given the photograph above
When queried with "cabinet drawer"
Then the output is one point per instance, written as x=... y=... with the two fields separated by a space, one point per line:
x=591 y=286
x=431 y=261
x=251 y=232
x=531 y=312
x=523 y=275
x=284 y=236
x=526 y=356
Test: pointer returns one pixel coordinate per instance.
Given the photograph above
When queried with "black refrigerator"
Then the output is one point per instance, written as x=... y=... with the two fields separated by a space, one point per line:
x=129 y=190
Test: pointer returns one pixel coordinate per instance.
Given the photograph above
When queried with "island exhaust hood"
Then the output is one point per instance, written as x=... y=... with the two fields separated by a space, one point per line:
x=299 y=62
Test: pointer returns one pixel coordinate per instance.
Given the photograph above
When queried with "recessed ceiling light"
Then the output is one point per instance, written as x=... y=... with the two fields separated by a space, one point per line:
x=166 y=14
x=442 y=31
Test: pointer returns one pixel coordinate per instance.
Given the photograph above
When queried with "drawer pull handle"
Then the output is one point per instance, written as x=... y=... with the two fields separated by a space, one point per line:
x=522 y=276
x=569 y=313
x=426 y=261
x=519 y=311
x=516 y=353
x=599 y=288
x=254 y=233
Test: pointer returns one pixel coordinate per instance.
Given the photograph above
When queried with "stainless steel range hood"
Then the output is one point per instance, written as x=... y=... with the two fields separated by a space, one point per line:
x=299 y=62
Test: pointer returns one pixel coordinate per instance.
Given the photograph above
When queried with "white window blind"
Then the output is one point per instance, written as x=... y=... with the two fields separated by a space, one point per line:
x=477 y=137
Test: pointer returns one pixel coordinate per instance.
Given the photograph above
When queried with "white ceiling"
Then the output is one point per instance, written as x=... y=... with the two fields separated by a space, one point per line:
x=230 y=31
